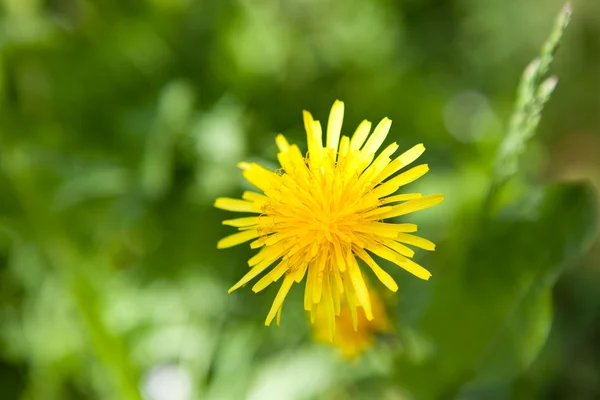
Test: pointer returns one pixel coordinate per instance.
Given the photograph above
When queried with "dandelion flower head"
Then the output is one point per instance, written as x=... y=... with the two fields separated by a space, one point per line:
x=320 y=214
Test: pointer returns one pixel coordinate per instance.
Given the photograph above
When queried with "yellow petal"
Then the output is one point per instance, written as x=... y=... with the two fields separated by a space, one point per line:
x=410 y=175
x=412 y=267
x=292 y=159
x=404 y=178
x=376 y=213
x=414 y=205
x=337 y=288
x=344 y=146
x=370 y=174
x=329 y=308
x=259 y=242
x=400 y=162
x=318 y=134
x=398 y=247
x=241 y=222
x=225 y=203
x=300 y=272
x=257 y=198
x=360 y=135
x=400 y=197
x=383 y=276
x=350 y=298
x=334 y=125
x=362 y=292
x=338 y=257
x=313 y=271
x=378 y=136
x=411 y=155
x=278 y=302
x=416 y=241
x=272 y=276
x=314 y=137
x=386 y=230
x=318 y=285
x=254 y=272
x=398 y=259
x=237 y=238
x=282 y=143
x=260 y=177
x=269 y=252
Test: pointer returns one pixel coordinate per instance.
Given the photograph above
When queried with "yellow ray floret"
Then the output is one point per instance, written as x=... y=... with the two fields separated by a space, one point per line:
x=323 y=211
x=353 y=332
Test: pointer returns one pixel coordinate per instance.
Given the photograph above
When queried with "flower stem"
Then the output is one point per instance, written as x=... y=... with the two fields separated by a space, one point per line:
x=533 y=92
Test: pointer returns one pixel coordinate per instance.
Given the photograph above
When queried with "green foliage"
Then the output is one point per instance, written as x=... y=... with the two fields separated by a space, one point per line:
x=490 y=314
x=120 y=122
x=530 y=103
x=533 y=92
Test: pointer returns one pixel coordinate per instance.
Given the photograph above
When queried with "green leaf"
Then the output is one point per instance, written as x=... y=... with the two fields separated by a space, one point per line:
x=519 y=340
x=481 y=321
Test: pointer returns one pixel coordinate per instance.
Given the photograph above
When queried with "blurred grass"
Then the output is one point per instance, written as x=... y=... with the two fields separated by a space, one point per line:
x=120 y=122
x=534 y=91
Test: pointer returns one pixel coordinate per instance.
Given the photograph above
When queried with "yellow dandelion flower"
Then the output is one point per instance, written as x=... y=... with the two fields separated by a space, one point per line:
x=353 y=335
x=321 y=212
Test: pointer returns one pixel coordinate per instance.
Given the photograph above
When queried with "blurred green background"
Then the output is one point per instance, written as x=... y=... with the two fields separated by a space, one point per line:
x=122 y=121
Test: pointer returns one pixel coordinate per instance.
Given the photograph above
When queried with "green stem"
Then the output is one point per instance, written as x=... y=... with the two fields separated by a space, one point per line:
x=534 y=90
